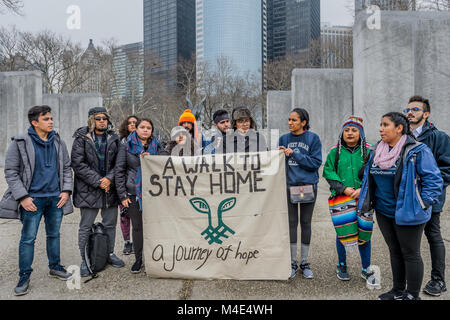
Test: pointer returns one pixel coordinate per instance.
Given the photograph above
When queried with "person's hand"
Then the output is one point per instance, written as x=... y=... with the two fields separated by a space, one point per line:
x=64 y=196
x=355 y=194
x=105 y=183
x=28 y=204
x=181 y=139
x=349 y=191
x=126 y=202
x=143 y=154
x=287 y=151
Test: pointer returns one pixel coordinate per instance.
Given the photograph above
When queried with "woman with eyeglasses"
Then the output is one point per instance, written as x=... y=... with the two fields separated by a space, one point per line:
x=139 y=143
x=401 y=182
x=303 y=151
x=244 y=136
x=126 y=127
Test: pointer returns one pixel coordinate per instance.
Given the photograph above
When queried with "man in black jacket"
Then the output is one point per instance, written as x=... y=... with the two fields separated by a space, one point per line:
x=94 y=153
x=418 y=112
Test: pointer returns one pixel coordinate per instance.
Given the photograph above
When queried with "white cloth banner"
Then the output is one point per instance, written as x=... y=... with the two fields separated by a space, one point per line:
x=218 y=216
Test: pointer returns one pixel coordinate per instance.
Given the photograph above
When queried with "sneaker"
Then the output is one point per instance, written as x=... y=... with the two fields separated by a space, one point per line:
x=23 y=286
x=342 y=273
x=60 y=273
x=435 y=287
x=366 y=273
x=392 y=295
x=84 y=271
x=137 y=266
x=294 y=268
x=409 y=296
x=128 y=248
x=115 y=261
x=307 y=273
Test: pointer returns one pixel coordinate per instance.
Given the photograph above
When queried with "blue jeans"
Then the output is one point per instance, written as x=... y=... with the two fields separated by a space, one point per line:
x=364 y=252
x=30 y=224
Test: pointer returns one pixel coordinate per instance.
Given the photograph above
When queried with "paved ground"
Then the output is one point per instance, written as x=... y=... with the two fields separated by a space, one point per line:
x=120 y=284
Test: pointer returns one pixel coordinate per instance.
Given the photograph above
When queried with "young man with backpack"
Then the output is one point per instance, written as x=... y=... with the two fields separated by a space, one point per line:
x=418 y=112
x=94 y=153
x=39 y=177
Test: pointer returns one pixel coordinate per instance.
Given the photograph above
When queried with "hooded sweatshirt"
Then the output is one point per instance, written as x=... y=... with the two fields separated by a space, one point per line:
x=45 y=182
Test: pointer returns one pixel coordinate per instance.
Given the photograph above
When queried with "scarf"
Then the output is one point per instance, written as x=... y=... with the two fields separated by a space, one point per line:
x=384 y=158
x=134 y=146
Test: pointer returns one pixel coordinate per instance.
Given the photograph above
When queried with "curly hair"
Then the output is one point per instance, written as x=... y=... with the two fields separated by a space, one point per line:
x=123 y=129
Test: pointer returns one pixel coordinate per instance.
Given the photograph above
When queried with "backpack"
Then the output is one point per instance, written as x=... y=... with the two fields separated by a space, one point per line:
x=97 y=250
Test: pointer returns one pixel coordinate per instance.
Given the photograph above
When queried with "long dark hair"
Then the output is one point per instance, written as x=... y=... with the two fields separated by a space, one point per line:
x=123 y=129
x=149 y=121
x=303 y=114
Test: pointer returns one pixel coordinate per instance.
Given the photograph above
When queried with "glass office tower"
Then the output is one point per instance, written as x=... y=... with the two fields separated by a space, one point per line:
x=232 y=29
x=169 y=34
x=292 y=25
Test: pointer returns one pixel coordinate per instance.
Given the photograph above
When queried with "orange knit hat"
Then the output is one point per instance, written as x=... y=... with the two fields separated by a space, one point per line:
x=187 y=116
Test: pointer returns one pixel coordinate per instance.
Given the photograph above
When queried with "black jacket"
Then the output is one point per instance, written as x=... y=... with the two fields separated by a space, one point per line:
x=127 y=165
x=86 y=166
x=439 y=143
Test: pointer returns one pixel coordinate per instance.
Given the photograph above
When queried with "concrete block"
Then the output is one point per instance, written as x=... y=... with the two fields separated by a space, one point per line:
x=278 y=107
x=327 y=96
x=408 y=55
x=19 y=91
x=70 y=112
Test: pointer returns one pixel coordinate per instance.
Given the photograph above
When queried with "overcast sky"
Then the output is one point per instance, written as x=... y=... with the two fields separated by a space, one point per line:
x=119 y=19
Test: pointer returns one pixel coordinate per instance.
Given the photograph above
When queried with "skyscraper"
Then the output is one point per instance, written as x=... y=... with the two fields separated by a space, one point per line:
x=169 y=34
x=336 y=46
x=383 y=4
x=231 y=29
x=128 y=69
x=292 y=25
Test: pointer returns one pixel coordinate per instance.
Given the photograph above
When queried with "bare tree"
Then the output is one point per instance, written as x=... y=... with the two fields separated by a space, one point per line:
x=11 y=5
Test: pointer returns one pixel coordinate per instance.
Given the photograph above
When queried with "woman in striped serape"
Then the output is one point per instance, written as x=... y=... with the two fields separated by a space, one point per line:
x=341 y=170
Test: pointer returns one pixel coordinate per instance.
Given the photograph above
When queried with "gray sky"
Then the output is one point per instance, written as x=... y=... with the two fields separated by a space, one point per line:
x=119 y=19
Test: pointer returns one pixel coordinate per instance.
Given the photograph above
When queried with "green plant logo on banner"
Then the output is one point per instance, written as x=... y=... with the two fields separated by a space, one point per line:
x=211 y=233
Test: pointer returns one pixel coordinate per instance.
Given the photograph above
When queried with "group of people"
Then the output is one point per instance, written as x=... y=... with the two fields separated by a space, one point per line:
x=401 y=179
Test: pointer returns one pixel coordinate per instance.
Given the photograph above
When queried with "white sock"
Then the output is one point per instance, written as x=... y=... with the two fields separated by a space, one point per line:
x=304 y=252
x=293 y=252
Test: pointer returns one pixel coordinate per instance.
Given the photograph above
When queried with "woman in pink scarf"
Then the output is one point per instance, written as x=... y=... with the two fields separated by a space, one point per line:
x=401 y=182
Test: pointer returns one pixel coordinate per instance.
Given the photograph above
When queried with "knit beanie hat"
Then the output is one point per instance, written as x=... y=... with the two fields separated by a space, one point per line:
x=91 y=119
x=187 y=116
x=356 y=122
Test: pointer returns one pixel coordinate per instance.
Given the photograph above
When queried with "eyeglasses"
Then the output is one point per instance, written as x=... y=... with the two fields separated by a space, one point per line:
x=415 y=109
x=101 y=118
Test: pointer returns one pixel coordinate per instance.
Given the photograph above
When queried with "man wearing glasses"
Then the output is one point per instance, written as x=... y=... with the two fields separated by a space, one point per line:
x=418 y=112
x=94 y=153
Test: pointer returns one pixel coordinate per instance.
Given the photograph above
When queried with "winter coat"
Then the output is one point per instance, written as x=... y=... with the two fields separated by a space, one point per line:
x=439 y=143
x=19 y=170
x=417 y=185
x=86 y=166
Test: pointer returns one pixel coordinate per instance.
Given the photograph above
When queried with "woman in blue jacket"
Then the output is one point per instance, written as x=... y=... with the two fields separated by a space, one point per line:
x=401 y=182
x=303 y=151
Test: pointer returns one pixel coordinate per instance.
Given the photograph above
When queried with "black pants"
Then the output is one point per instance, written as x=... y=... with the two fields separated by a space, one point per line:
x=136 y=222
x=404 y=250
x=306 y=212
x=437 y=247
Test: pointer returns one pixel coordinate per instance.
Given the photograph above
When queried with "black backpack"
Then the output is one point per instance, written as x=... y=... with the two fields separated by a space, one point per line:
x=97 y=250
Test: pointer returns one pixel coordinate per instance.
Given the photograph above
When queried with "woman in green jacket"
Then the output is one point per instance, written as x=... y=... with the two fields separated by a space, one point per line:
x=341 y=171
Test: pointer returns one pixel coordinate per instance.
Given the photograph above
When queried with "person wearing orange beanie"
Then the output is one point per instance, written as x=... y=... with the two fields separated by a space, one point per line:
x=187 y=120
